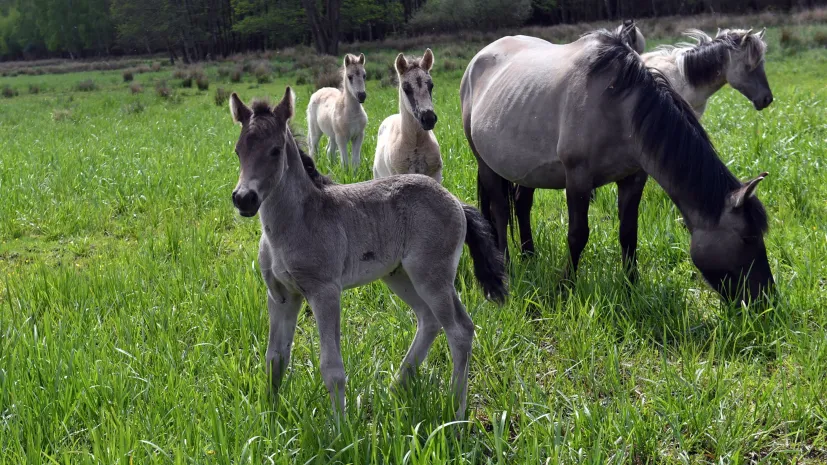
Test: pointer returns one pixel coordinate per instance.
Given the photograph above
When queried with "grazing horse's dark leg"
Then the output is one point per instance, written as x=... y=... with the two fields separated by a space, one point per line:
x=578 y=186
x=629 y=192
x=497 y=199
x=522 y=206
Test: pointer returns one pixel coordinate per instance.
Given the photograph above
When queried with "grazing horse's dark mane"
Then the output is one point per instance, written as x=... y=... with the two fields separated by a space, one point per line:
x=670 y=134
x=266 y=120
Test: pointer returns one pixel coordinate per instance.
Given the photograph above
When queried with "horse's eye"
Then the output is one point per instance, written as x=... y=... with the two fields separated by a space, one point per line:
x=364 y=75
x=430 y=86
x=276 y=151
x=350 y=77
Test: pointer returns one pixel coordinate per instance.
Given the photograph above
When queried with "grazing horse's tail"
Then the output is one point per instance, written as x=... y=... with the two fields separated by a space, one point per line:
x=489 y=266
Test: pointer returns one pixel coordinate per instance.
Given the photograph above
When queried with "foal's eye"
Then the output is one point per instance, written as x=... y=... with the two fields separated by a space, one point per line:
x=276 y=151
x=350 y=77
x=364 y=75
x=430 y=86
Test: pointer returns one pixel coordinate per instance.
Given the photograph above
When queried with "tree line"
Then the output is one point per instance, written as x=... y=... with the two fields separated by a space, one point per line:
x=193 y=30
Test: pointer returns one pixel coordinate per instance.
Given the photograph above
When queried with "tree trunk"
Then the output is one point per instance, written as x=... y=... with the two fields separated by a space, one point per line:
x=324 y=28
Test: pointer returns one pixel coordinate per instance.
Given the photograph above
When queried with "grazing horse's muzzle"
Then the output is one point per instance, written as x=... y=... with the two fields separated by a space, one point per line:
x=763 y=102
x=427 y=119
x=362 y=96
x=246 y=201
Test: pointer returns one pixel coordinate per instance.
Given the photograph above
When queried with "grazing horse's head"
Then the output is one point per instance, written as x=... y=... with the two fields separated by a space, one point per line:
x=746 y=66
x=731 y=254
x=415 y=87
x=261 y=149
x=354 y=76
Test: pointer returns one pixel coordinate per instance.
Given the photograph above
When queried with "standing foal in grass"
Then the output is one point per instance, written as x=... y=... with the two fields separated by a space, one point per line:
x=339 y=115
x=318 y=238
x=406 y=142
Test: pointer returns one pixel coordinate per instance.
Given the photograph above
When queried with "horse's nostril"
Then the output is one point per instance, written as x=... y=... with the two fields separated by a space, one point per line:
x=362 y=96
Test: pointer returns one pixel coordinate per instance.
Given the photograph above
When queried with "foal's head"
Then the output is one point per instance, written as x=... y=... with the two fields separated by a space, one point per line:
x=731 y=254
x=354 y=76
x=415 y=86
x=746 y=66
x=261 y=149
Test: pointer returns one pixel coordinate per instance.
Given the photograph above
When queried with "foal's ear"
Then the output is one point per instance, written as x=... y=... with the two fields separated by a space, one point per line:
x=361 y=58
x=760 y=35
x=348 y=60
x=287 y=107
x=746 y=37
x=428 y=60
x=241 y=113
x=401 y=64
x=740 y=195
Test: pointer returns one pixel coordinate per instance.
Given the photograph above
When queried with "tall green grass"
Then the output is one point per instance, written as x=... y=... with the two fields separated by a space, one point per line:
x=133 y=322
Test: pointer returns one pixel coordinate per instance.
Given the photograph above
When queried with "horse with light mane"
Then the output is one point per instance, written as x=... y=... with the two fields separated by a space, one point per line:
x=319 y=238
x=584 y=114
x=406 y=141
x=339 y=115
x=696 y=72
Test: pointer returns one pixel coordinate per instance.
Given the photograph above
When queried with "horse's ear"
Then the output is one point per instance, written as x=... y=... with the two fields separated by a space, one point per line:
x=241 y=113
x=401 y=64
x=428 y=60
x=361 y=58
x=760 y=35
x=740 y=195
x=746 y=37
x=287 y=107
x=348 y=60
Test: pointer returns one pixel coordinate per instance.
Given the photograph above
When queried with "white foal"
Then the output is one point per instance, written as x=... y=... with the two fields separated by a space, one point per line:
x=406 y=142
x=339 y=114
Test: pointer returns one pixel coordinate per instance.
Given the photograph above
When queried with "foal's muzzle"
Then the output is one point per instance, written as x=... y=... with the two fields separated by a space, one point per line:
x=427 y=119
x=246 y=201
x=361 y=96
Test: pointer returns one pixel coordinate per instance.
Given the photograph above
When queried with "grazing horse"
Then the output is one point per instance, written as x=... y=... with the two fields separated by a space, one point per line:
x=339 y=115
x=406 y=142
x=318 y=238
x=584 y=114
x=696 y=72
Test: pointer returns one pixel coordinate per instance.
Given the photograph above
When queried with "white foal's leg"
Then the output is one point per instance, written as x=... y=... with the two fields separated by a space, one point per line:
x=341 y=142
x=427 y=326
x=356 y=159
x=331 y=148
x=314 y=135
x=284 y=310
x=435 y=284
x=325 y=303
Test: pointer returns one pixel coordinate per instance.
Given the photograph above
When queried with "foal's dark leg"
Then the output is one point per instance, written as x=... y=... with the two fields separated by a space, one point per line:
x=578 y=187
x=629 y=192
x=522 y=205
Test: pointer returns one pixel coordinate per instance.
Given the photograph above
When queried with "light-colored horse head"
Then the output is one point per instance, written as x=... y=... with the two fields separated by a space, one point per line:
x=737 y=54
x=415 y=87
x=260 y=149
x=633 y=35
x=354 y=76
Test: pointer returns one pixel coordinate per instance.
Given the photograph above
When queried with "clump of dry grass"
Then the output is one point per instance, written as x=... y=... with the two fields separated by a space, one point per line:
x=87 y=85
x=163 y=90
x=136 y=88
x=156 y=66
x=61 y=114
x=202 y=82
x=221 y=97
x=34 y=88
x=331 y=77
x=237 y=73
x=263 y=72
x=128 y=76
x=9 y=91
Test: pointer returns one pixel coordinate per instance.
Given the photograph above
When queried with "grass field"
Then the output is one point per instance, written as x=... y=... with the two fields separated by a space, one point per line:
x=133 y=322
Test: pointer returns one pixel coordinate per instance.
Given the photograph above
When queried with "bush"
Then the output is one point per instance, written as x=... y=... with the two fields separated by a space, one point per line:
x=34 y=89
x=180 y=73
x=142 y=69
x=328 y=78
x=187 y=81
x=133 y=108
x=224 y=72
x=449 y=65
x=87 y=85
x=156 y=66
x=262 y=72
x=127 y=76
x=163 y=90
x=222 y=96
x=237 y=73
x=302 y=77
x=61 y=114
x=9 y=92
x=135 y=88
x=202 y=82
x=820 y=38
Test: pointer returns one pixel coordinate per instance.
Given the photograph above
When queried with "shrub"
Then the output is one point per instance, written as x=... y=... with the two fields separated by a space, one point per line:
x=86 y=85
x=187 y=81
x=133 y=108
x=202 y=82
x=180 y=73
x=328 y=78
x=61 y=114
x=789 y=39
x=142 y=69
x=449 y=65
x=222 y=96
x=303 y=77
x=135 y=88
x=156 y=66
x=128 y=76
x=34 y=88
x=224 y=72
x=163 y=90
x=820 y=38
x=237 y=73
x=9 y=92
x=262 y=72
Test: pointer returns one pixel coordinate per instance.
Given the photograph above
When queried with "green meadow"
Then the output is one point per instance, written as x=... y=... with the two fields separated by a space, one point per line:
x=133 y=322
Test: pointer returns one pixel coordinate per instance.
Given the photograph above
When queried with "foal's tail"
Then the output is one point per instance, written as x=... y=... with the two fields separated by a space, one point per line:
x=489 y=266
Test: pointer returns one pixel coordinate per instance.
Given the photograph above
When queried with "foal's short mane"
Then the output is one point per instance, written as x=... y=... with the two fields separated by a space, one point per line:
x=265 y=121
x=701 y=63
x=670 y=133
